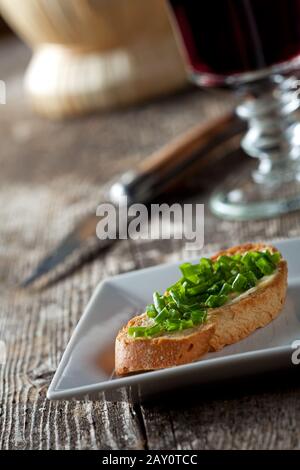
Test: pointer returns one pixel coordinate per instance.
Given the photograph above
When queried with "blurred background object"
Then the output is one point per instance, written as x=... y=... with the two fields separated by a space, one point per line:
x=253 y=47
x=3 y=28
x=95 y=54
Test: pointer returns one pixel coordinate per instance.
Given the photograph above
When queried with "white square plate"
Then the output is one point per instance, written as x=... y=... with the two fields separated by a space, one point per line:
x=87 y=364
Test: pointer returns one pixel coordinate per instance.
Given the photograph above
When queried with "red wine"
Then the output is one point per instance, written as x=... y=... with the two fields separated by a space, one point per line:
x=227 y=37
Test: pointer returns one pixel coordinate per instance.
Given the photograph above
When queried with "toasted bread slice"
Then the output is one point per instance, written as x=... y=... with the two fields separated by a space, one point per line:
x=252 y=310
x=225 y=325
x=140 y=354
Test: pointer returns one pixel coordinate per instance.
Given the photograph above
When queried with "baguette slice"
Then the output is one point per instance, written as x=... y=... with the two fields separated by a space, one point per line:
x=225 y=325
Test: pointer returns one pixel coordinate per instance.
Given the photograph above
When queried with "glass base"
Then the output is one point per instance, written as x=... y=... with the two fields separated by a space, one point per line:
x=247 y=200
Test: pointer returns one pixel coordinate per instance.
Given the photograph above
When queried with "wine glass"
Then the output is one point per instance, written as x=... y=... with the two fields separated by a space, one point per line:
x=253 y=47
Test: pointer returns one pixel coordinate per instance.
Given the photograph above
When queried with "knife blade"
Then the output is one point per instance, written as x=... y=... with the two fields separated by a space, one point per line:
x=81 y=234
x=161 y=173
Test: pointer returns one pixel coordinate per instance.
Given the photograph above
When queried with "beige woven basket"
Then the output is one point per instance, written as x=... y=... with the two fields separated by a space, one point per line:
x=95 y=54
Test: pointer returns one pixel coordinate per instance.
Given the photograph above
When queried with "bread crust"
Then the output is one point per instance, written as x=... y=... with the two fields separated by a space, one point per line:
x=139 y=354
x=225 y=325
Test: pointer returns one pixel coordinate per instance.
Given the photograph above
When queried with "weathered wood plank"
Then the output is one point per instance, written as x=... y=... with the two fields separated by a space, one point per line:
x=263 y=414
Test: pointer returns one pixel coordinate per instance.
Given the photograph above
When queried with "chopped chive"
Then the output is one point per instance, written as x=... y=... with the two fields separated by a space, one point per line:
x=276 y=257
x=214 y=289
x=198 y=316
x=204 y=286
x=206 y=265
x=237 y=258
x=252 y=279
x=225 y=261
x=172 y=326
x=182 y=289
x=226 y=288
x=159 y=301
x=151 y=311
x=190 y=272
x=247 y=260
x=196 y=290
x=184 y=324
x=240 y=283
x=153 y=330
x=265 y=267
x=175 y=297
x=215 y=301
x=174 y=314
x=137 y=331
x=163 y=315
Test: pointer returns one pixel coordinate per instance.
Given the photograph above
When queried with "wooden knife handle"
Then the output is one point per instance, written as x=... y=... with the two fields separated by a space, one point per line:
x=169 y=166
x=182 y=147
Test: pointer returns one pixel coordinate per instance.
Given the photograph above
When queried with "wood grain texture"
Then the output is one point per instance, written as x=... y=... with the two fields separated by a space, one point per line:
x=50 y=175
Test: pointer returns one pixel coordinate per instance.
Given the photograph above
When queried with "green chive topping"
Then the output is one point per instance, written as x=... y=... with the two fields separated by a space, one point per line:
x=204 y=286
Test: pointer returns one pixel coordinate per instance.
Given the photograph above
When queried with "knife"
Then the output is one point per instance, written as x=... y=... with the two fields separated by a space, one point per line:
x=164 y=171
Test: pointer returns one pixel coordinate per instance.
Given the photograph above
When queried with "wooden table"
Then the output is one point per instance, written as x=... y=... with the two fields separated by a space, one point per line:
x=50 y=175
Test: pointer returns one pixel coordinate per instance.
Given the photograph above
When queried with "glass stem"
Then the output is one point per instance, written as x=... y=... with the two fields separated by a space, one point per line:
x=271 y=107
